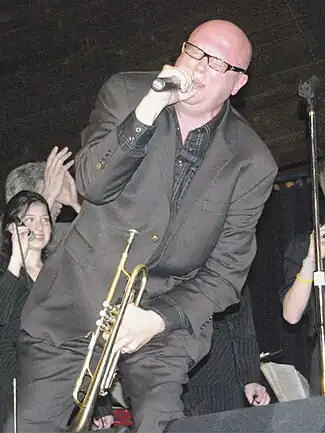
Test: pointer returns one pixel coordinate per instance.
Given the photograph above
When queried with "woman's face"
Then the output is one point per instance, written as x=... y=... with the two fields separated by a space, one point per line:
x=38 y=221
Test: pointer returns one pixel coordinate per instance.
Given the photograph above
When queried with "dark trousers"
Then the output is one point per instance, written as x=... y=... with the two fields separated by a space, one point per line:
x=153 y=379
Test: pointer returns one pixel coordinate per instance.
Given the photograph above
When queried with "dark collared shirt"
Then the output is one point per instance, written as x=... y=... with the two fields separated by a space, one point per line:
x=190 y=154
x=133 y=139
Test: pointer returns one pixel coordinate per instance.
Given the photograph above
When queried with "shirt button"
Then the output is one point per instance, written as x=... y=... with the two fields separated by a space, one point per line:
x=154 y=237
x=99 y=165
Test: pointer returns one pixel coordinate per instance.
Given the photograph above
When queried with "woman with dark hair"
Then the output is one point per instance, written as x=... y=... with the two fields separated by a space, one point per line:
x=26 y=231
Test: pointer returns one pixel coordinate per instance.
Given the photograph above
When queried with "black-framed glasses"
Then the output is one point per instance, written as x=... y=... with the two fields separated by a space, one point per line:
x=215 y=63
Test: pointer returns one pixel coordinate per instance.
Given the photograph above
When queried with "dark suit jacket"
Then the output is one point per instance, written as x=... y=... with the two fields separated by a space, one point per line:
x=204 y=252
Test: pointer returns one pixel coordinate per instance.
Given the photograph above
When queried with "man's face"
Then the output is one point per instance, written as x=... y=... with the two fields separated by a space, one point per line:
x=212 y=87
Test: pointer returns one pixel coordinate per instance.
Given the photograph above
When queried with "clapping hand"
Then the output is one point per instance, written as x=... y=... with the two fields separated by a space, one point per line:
x=69 y=195
x=54 y=174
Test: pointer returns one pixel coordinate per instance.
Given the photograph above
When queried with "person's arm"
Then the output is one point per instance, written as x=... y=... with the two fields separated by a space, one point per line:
x=120 y=129
x=57 y=165
x=10 y=281
x=299 y=277
x=115 y=141
x=10 y=287
x=297 y=297
x=218 y=284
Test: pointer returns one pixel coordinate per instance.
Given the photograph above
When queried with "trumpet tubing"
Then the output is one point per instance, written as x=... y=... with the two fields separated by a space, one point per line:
x=96 y=381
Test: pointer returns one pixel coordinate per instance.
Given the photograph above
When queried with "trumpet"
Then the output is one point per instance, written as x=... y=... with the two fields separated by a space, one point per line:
x=97 y=381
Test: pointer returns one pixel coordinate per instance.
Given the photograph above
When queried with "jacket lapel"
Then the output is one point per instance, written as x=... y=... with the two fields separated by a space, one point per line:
x=216 y=159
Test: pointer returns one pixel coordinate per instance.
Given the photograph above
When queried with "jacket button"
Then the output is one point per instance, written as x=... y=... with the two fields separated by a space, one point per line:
x=154 y=237
x=99 y=165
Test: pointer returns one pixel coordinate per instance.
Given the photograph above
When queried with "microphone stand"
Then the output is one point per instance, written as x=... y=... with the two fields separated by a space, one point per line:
x=307 y=91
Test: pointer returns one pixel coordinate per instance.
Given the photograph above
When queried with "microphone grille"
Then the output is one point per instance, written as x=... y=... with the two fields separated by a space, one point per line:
x=31 y=236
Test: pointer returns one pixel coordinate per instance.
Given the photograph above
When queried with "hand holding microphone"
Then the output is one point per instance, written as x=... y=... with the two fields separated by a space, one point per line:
x=173 y=85
x=20 y=238
x=180 y=80
x=31 y=234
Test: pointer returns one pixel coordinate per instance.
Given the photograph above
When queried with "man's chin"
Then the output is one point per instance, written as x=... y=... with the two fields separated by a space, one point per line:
x=194 y=99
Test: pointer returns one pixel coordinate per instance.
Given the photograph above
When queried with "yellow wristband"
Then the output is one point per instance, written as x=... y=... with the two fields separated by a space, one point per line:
x=303 y=280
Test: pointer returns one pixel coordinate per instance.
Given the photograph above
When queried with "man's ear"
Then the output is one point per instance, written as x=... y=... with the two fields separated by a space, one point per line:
x=241 y=82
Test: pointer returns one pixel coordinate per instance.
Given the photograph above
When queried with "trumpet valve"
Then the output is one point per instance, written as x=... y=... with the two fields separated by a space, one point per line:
x=112 y=309
x=107 y=304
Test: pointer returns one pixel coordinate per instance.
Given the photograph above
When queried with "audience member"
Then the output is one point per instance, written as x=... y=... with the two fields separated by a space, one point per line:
x=26 y=230
x=51 y=179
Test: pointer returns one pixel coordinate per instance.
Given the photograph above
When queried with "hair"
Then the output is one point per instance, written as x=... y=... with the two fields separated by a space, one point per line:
x=14 y=211
x=24 y=177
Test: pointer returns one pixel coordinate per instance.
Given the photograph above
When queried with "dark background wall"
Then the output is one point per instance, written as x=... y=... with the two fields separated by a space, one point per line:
x=55 y=54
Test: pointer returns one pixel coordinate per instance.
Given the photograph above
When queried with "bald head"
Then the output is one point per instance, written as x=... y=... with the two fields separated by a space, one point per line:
x=233 y=43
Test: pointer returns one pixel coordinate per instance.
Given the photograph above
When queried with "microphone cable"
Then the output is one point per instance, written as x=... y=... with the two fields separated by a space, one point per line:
x=22 y=254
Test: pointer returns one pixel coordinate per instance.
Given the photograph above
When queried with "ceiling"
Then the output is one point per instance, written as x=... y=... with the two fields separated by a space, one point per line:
x=56 y=54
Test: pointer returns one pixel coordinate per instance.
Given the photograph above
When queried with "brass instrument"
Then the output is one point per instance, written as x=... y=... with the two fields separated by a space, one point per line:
x=101 y=378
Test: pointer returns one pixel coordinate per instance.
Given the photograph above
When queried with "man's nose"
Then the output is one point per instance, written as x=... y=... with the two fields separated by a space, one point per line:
x=202 y=64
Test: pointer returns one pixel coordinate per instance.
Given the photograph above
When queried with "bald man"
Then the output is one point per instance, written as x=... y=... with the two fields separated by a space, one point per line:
x=184 y=169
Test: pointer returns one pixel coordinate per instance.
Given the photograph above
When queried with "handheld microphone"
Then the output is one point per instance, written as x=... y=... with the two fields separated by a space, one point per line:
x=31 y=234
x=162 y=84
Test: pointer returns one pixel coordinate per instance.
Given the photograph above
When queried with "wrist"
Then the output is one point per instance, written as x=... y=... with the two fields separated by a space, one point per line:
x=49 y=197
x=15 y=265
x=149 y=109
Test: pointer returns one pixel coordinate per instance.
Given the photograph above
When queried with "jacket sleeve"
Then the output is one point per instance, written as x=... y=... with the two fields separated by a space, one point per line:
x=241 y=331
x=113 y=144
x=10 y=286
x=219 y=282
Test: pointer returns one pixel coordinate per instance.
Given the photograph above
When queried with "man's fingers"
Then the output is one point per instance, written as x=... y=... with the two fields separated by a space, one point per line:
x=51 y=156
x=262 y=399
x=125 y=344
x=121 y=345
x=59 y=159
x=68 y=165
x=56 y=159
x=68 y=174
